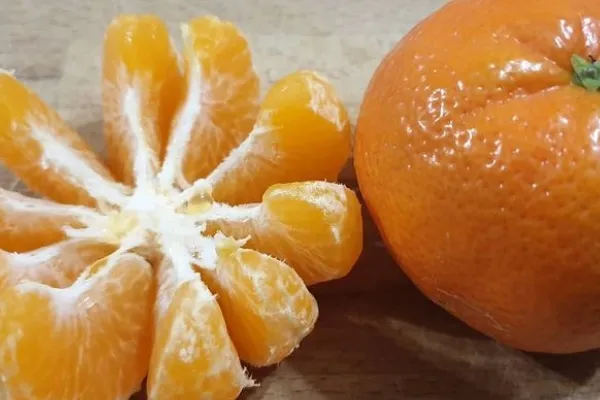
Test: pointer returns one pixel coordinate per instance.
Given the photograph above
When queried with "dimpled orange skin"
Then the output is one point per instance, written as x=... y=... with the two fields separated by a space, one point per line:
x=480 y=163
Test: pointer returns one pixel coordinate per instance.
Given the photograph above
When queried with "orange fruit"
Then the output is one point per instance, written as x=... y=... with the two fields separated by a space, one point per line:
x=189 y=255
x=477 y=154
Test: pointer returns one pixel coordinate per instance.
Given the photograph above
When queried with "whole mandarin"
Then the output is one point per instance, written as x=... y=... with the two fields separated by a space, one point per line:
x=478 y=155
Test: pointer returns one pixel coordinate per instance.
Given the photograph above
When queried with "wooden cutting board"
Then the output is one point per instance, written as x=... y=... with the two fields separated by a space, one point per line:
x=377 y=336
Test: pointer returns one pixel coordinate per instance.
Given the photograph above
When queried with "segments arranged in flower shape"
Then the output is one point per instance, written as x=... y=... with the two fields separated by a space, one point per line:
x=189 y=253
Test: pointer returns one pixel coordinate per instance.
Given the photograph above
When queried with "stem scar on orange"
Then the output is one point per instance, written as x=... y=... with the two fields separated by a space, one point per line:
x=478 y=154
x=189 y=253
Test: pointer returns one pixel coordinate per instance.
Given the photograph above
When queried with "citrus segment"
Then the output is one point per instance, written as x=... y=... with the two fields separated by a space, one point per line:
x=46 y=154
x=267 y=307
x=314 y=226
x=141 y=86
x=28 y=223
x=193 y=356
x=57 y=265
x=302 y=133
x=87 y=341
x=220 y=104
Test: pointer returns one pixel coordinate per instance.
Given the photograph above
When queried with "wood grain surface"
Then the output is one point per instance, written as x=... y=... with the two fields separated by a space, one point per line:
x=377 y=337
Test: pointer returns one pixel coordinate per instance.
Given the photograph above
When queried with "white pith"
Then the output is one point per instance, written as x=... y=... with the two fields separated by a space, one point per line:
x=35 y=258
x=58 y=156
x=144 y=160
x=322 y=103
x=333 y=205
x=238 y=154
x=20 y=205
x=157 y=216
x=67 y=300
x=171 y=171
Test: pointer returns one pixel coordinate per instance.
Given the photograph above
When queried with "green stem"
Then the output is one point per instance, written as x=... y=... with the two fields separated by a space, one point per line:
x=586 y=73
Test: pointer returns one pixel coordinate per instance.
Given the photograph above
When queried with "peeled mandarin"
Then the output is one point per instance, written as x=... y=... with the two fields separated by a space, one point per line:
x=193 y=152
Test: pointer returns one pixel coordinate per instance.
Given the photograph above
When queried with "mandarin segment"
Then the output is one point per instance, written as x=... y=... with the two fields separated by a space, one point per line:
x=28 y=223
x=314 y=226
x=46 y=154
x=57 y=265
x=142 y=84
x=193 y=356
x=302 y=133
x=220 y=104
x=266 y=305
x=58 y=343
